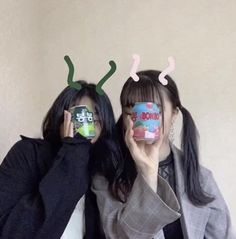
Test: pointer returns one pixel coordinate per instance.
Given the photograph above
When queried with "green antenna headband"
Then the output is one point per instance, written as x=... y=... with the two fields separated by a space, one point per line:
x=78 y=86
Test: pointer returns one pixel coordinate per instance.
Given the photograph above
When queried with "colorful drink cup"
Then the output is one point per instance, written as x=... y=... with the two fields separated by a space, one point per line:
x=82 y=118
x=146 y=118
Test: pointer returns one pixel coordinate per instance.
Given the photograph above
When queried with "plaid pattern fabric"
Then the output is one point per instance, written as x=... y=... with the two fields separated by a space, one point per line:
x=145 y=213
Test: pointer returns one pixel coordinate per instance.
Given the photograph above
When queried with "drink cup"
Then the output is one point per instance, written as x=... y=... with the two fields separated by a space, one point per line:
x=146 y=118
x=82 y=118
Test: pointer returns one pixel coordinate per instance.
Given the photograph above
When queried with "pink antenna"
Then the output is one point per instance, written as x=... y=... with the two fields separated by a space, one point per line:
x=135 y=67
x=165 y=72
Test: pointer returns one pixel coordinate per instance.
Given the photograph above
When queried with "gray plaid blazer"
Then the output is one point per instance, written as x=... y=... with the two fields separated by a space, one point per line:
x=145 y=213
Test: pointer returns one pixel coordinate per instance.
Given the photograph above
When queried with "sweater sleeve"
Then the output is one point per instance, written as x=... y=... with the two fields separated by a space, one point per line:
x=33 y=208
x=143 y=215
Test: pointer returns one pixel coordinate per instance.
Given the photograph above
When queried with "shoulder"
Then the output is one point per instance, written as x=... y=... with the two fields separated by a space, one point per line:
x=24 y=151
x=207 y=180
x=209 y=183
x=27 y=141
x=24 y=145
x=27 y=145
x=205 y=175
x=99 y=181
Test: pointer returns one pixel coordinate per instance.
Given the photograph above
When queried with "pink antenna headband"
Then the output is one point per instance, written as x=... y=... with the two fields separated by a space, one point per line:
x=162 y=79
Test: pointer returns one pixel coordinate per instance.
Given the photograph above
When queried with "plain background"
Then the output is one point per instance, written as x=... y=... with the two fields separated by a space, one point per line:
x=201 y=35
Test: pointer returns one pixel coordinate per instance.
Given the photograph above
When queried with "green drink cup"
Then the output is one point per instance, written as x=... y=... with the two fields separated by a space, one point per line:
x=82 y=118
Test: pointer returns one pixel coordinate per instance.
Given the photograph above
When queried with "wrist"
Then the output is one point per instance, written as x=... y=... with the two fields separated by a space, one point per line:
x=151 y=180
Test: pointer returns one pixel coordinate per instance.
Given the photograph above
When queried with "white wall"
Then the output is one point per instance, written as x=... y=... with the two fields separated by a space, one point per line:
x=35 y=36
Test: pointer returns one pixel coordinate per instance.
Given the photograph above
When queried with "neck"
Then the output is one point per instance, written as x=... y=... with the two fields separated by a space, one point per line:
x=164 y=150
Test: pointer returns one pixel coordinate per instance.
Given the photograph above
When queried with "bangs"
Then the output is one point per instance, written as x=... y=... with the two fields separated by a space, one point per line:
x=145 y=90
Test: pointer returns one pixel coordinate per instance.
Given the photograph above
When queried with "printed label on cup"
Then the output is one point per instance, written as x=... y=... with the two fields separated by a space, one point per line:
x=146 y=117
x=83 y=121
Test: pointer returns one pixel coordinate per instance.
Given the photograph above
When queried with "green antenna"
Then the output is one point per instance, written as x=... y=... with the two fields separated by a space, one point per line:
x=106 y=77
x=70 y=81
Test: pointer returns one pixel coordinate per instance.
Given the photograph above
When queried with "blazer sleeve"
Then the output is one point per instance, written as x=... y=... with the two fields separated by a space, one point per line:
x=41 y=209
x=219 y=223
x=142 y=216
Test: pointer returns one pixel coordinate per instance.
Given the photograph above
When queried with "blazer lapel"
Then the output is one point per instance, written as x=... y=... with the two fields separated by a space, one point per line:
x=193 y=219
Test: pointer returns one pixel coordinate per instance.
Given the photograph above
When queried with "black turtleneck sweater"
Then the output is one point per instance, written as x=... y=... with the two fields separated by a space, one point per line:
x=40 y=185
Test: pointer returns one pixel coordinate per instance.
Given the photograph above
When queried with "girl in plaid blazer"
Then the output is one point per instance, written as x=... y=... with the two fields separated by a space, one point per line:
x=146 y=203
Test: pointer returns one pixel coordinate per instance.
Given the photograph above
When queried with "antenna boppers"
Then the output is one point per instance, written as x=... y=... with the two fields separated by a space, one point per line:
x=70 y=81
x=161 y=77
x=133 y=73
x=168 y=70
x=106 y=77
x=78 y=86
x=134 y=68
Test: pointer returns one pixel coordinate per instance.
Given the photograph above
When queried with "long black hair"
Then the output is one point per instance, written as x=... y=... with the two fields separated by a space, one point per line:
x=105 y=154
x=148 y=88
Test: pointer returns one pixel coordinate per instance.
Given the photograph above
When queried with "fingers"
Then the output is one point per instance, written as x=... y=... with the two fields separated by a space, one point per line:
x=71 y=130
x=129 y=133
x=150 y=142
x=141 y=145
x=158 y=143
x=67 y=120
x=129 y=137
x=67 y=125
